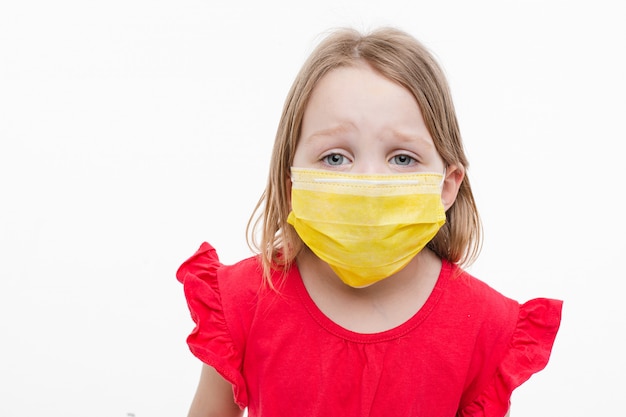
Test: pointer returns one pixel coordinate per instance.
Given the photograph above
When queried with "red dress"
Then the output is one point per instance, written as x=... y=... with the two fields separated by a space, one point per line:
x=461 y=354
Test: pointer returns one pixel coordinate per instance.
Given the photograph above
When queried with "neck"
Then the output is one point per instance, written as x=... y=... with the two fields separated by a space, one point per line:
x=424 y=264
x=378 y=307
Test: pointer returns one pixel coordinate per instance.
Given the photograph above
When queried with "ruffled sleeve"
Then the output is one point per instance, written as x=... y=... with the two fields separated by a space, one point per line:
x=528 y=352
x=211 y=340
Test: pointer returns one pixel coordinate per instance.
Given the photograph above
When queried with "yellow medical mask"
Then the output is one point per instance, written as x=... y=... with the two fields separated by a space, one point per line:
x=366 y=227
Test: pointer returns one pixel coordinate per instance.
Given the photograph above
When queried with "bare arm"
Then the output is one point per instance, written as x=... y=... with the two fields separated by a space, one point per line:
x=214 y=396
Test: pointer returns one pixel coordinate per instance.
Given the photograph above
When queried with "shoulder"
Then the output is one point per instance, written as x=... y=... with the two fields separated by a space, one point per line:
x=228 y=292
x=510 y=341
x=221 y=302
x=205 y=266
x=476 y=298
x=493 y=310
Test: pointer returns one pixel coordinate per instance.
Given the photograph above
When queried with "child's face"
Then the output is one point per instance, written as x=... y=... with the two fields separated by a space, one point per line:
x=361 y=122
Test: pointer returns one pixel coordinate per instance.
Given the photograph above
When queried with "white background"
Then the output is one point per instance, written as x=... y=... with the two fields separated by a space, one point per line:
x=131 y=130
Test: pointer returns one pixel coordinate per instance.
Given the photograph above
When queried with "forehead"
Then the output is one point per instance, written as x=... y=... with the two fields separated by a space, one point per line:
x=360 y=79
x=360 y=96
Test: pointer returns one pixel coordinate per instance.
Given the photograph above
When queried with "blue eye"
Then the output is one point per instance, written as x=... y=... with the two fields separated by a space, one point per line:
x=402 y=160
x=335 y=159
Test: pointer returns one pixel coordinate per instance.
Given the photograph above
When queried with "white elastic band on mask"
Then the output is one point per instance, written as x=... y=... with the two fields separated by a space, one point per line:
x=370 y=182
x=377 y=182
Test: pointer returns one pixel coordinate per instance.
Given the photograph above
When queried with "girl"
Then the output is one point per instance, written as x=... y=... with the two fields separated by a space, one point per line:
x=357 y=304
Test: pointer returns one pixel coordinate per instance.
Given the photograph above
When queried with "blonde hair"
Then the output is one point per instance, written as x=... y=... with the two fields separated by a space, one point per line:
x=401 y=58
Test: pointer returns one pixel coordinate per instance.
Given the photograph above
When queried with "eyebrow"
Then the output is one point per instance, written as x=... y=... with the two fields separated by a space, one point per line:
x=412 y=138
x=332 y=131
x=343 y=127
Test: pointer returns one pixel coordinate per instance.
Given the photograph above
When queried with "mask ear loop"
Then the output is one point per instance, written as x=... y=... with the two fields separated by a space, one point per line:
x=443 y=179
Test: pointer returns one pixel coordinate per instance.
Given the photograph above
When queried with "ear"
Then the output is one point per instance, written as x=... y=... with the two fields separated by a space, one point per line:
x=452 y=182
